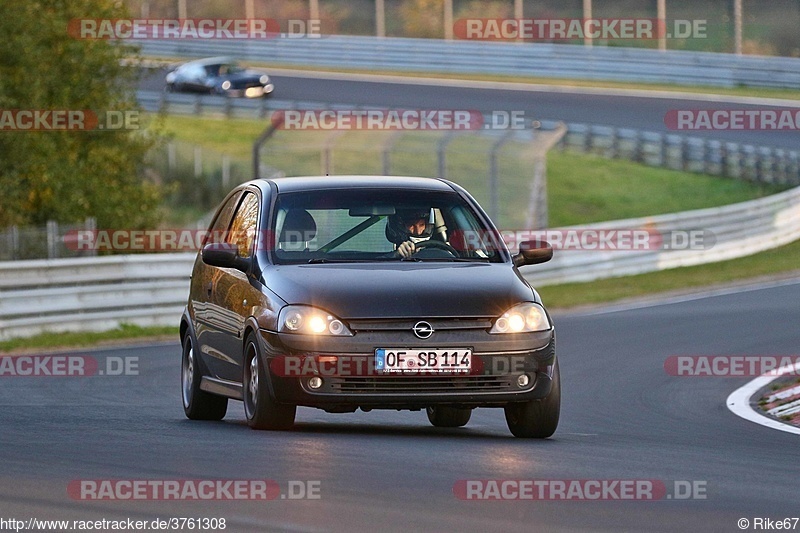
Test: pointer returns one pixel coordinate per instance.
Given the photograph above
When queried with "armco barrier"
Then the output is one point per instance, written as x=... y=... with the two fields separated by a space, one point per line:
x=151 y=289
x=515 y=59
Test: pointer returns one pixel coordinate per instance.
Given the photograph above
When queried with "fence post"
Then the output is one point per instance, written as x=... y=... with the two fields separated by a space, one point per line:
x=198 y=161
x=90 y=224
x=494 y=210
x=537 y=205
x=386 y=151
x=14 y=242
x=226 y=171
x=327 y=152
x=171 y=157
x=52 y=239
x=441 y=153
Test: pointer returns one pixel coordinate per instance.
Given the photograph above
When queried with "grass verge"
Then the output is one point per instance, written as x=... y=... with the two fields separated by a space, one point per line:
x=125 y=332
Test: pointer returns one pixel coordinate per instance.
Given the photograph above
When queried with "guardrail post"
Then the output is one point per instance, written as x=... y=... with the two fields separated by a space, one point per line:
x=198 y=105
x=52 y=239
x=793 y=168
x=226 y=172
x=733 y=160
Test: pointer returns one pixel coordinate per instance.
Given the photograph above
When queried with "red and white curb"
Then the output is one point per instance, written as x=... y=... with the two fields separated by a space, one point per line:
x=739 y=401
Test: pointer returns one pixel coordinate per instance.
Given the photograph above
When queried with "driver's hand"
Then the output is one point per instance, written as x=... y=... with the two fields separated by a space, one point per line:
x=406 y=249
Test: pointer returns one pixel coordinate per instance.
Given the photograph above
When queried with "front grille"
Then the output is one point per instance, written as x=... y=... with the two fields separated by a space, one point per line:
x=438 y=324
x=372 y=385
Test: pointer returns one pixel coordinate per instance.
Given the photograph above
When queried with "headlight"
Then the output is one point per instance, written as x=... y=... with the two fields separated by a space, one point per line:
x=306 y=320
x=522 y=318
x=264 y=79
x=226 y=85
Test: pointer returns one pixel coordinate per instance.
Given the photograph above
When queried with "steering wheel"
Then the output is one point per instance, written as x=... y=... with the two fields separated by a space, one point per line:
x=430 y=243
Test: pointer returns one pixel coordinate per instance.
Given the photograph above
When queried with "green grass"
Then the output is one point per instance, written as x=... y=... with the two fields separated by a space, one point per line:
x=86 y=339
x=768 y=263
x=588 y=188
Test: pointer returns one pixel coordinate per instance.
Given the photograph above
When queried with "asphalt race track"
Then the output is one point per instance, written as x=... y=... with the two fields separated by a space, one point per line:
x=645 y=114
x=623 y=418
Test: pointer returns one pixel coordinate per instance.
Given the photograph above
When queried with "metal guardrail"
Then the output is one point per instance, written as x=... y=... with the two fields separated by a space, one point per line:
x=517 y=59
x=737 y=230
x=92 y=293
x=151 y=289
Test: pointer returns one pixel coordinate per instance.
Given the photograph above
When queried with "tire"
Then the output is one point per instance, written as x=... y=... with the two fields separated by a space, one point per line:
x=197 y=404
x=443 y=416
x=261 y=410
x=536 y=419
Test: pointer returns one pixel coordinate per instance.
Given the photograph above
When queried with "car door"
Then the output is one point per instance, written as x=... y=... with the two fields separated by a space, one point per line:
x=206 y=313
x=234 y=293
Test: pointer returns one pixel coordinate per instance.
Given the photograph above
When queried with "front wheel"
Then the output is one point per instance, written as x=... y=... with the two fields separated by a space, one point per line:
x=261 y=410
x=197 y=403
x=443 y=416
x=536 y=419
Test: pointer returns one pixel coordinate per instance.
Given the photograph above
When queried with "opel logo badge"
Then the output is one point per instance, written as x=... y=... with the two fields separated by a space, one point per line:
x=422 y=329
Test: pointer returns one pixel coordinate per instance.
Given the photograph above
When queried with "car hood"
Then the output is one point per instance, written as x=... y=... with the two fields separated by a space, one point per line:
x=401 y=289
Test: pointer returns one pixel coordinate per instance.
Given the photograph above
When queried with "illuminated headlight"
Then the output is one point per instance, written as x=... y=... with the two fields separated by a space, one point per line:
x=522 y=318
x=306 y=320
x=264 y=79
x=226 y=85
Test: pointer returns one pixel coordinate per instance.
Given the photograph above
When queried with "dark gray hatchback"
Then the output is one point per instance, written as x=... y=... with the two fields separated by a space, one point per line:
x=365 y=292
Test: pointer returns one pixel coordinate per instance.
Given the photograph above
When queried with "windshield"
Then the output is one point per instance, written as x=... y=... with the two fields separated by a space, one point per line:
x=370 y=225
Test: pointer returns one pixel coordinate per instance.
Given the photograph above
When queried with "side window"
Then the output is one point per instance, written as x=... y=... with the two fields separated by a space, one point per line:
x=216 y=232
x=244 y=226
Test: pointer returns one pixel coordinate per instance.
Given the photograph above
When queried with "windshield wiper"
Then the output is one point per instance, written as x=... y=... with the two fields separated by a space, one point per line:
x=318 y=260
x=454 y=260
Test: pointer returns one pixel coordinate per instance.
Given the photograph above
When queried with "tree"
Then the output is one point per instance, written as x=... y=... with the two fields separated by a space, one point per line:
x=69 y=175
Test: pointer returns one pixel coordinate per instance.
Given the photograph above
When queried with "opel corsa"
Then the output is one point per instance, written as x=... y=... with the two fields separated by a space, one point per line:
x=365 y=292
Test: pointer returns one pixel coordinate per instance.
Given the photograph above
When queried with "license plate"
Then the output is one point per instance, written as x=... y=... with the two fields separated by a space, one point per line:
x=422 y=360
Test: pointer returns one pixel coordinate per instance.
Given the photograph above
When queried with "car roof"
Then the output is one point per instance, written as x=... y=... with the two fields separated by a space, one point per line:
x=310 y=183
x=220 y=60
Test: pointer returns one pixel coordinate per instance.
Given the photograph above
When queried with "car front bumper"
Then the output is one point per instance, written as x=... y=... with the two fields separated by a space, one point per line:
x=346 y=366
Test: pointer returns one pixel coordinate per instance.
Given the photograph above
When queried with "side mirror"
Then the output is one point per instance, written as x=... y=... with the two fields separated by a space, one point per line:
x=224 y=255
x=533 y=253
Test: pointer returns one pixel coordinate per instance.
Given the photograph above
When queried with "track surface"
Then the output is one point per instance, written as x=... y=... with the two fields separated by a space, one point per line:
x=623 y=417
x=646 y=114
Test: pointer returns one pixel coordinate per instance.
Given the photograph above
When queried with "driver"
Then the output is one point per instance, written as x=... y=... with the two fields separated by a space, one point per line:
x=409 y=227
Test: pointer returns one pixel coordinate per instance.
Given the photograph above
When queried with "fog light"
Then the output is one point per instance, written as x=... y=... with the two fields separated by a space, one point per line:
x=523 y=380
x=314 y=383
